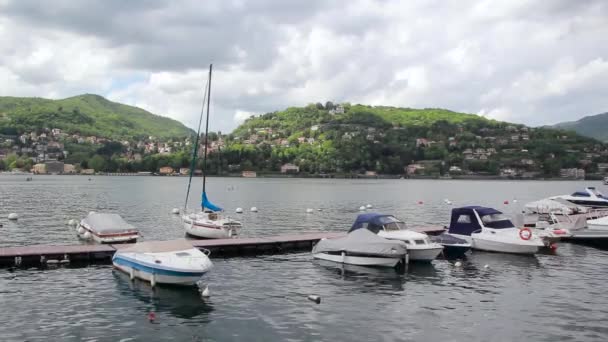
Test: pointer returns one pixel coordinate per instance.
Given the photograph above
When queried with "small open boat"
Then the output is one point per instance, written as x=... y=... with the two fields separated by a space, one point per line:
x=453 y=247
x=107 y=228
x=361 y=247
x=174 y=262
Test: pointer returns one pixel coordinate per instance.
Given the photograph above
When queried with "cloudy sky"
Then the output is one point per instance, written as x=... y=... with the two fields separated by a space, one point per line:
x=533 y=62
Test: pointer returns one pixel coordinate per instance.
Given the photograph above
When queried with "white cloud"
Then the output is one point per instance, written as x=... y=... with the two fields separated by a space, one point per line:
x=525 y=61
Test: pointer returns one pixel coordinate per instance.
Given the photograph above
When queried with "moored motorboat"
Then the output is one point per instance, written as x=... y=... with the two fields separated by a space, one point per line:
x=361 y=247
x=488 y=229
x=453 y=247
x=174 y=262
x=107 y=228
x=419 y=246
x=590 y=198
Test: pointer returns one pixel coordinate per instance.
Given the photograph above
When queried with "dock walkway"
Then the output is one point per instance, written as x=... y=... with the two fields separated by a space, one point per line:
x=41 y=255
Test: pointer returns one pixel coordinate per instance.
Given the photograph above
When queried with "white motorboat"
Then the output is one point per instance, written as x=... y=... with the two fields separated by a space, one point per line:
x=209 y=223
x=590 y=197
x=598 y=224
x=174 y=262
x=419 y=246
x=361 y=247
x=605 y=181
x=106 y=228
x=488 y=230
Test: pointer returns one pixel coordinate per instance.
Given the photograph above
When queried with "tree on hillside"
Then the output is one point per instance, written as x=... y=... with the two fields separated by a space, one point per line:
x=97 y=162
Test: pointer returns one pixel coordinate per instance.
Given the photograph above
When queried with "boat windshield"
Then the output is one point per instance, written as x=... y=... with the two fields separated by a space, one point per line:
x=394 y=226
x=596 y=192
x=497 y=221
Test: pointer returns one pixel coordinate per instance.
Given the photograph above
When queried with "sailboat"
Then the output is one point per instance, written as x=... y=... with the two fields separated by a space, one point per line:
x=210 y=222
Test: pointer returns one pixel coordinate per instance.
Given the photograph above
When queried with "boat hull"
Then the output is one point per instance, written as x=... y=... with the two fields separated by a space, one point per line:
x=358 y=260
x=160 y=276
x=455 y=251
x=502 y=247
x=425 y=255
x=207 y=230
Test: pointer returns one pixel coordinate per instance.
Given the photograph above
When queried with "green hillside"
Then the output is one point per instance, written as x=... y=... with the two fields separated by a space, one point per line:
x=357 y=138
x=87 y=115
x=594 y=126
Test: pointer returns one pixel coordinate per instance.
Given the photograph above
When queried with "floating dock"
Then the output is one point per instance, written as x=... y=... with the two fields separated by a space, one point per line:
x=43 y=255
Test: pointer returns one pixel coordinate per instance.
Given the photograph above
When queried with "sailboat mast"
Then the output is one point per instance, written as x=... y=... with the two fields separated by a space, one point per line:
x=206 y=134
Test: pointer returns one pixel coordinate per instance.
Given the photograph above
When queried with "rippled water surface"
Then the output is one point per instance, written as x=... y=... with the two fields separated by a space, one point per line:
x=557 y=297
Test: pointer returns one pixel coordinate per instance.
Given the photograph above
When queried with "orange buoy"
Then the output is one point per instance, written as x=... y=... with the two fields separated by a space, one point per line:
x=505 y=202
x=151 y=316
x=420 y=202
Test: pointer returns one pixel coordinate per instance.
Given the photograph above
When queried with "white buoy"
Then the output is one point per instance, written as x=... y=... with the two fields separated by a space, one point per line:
x=319 y=209
x=369 y=206
x=91 y=212
x=309 y=210
x=86 y=235
x=486 y=266
x=239 y=210
x=72 y=222
x=254 y=209
x=514 y=201
x=457 y=264
x=314 y=298
x=447 y=201
x=13 y=216
x=175 y=211
x=80 y=230
x=362 y=208
x=205 y=293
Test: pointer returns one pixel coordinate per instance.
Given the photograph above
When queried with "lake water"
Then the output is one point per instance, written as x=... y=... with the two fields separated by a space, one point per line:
x=558 y=297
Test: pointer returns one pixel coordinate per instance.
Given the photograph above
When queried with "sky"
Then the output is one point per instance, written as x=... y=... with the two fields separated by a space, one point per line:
x=531 y=62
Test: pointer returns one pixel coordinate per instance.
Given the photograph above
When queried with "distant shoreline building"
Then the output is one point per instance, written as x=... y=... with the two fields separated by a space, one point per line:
x=249 y=174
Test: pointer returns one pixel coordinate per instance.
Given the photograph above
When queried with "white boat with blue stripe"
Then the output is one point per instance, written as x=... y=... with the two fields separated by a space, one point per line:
x=174 y=262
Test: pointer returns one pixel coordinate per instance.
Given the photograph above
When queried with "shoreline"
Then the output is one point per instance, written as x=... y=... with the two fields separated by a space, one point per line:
x=302 y=176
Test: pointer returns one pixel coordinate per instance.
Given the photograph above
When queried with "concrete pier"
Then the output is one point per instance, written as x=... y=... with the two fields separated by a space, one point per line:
x=43 y=255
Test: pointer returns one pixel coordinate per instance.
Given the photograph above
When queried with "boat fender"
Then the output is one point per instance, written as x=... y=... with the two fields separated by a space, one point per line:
x=315 y=299
x=206 y=293
x=525 y=234
x=153 y=280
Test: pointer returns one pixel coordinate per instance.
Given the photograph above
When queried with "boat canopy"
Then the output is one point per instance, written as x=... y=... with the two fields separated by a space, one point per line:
x=548 y=205
x=158 y=246
x=464 y=221
x=207 y=204
x=362 y=241
x=108 y=223
x=372 y=221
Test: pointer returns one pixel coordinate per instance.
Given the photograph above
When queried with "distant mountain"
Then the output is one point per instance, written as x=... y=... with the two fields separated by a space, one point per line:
x=594 y=126
x=87 y=115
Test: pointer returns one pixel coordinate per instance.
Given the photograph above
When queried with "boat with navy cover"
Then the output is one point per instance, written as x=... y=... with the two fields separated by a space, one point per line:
x=453 y=247
x=419 y=245
x=107 y=228
x=174 y=262
x=488 y=229
x=361 y=247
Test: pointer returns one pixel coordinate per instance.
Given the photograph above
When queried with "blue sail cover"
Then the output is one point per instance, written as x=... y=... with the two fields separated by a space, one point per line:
x=206 y=204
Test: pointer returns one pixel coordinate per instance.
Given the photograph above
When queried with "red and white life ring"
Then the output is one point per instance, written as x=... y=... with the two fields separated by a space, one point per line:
x=525 y=233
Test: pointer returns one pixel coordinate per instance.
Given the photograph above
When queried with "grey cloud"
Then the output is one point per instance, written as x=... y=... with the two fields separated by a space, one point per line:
x=272 y=54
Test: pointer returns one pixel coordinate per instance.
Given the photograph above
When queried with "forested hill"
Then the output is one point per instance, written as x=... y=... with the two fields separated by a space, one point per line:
x=86 y=115
x=594 y=126
x=357 y=138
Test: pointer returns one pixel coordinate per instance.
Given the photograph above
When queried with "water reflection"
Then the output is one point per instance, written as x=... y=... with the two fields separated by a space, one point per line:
x=178 y=301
